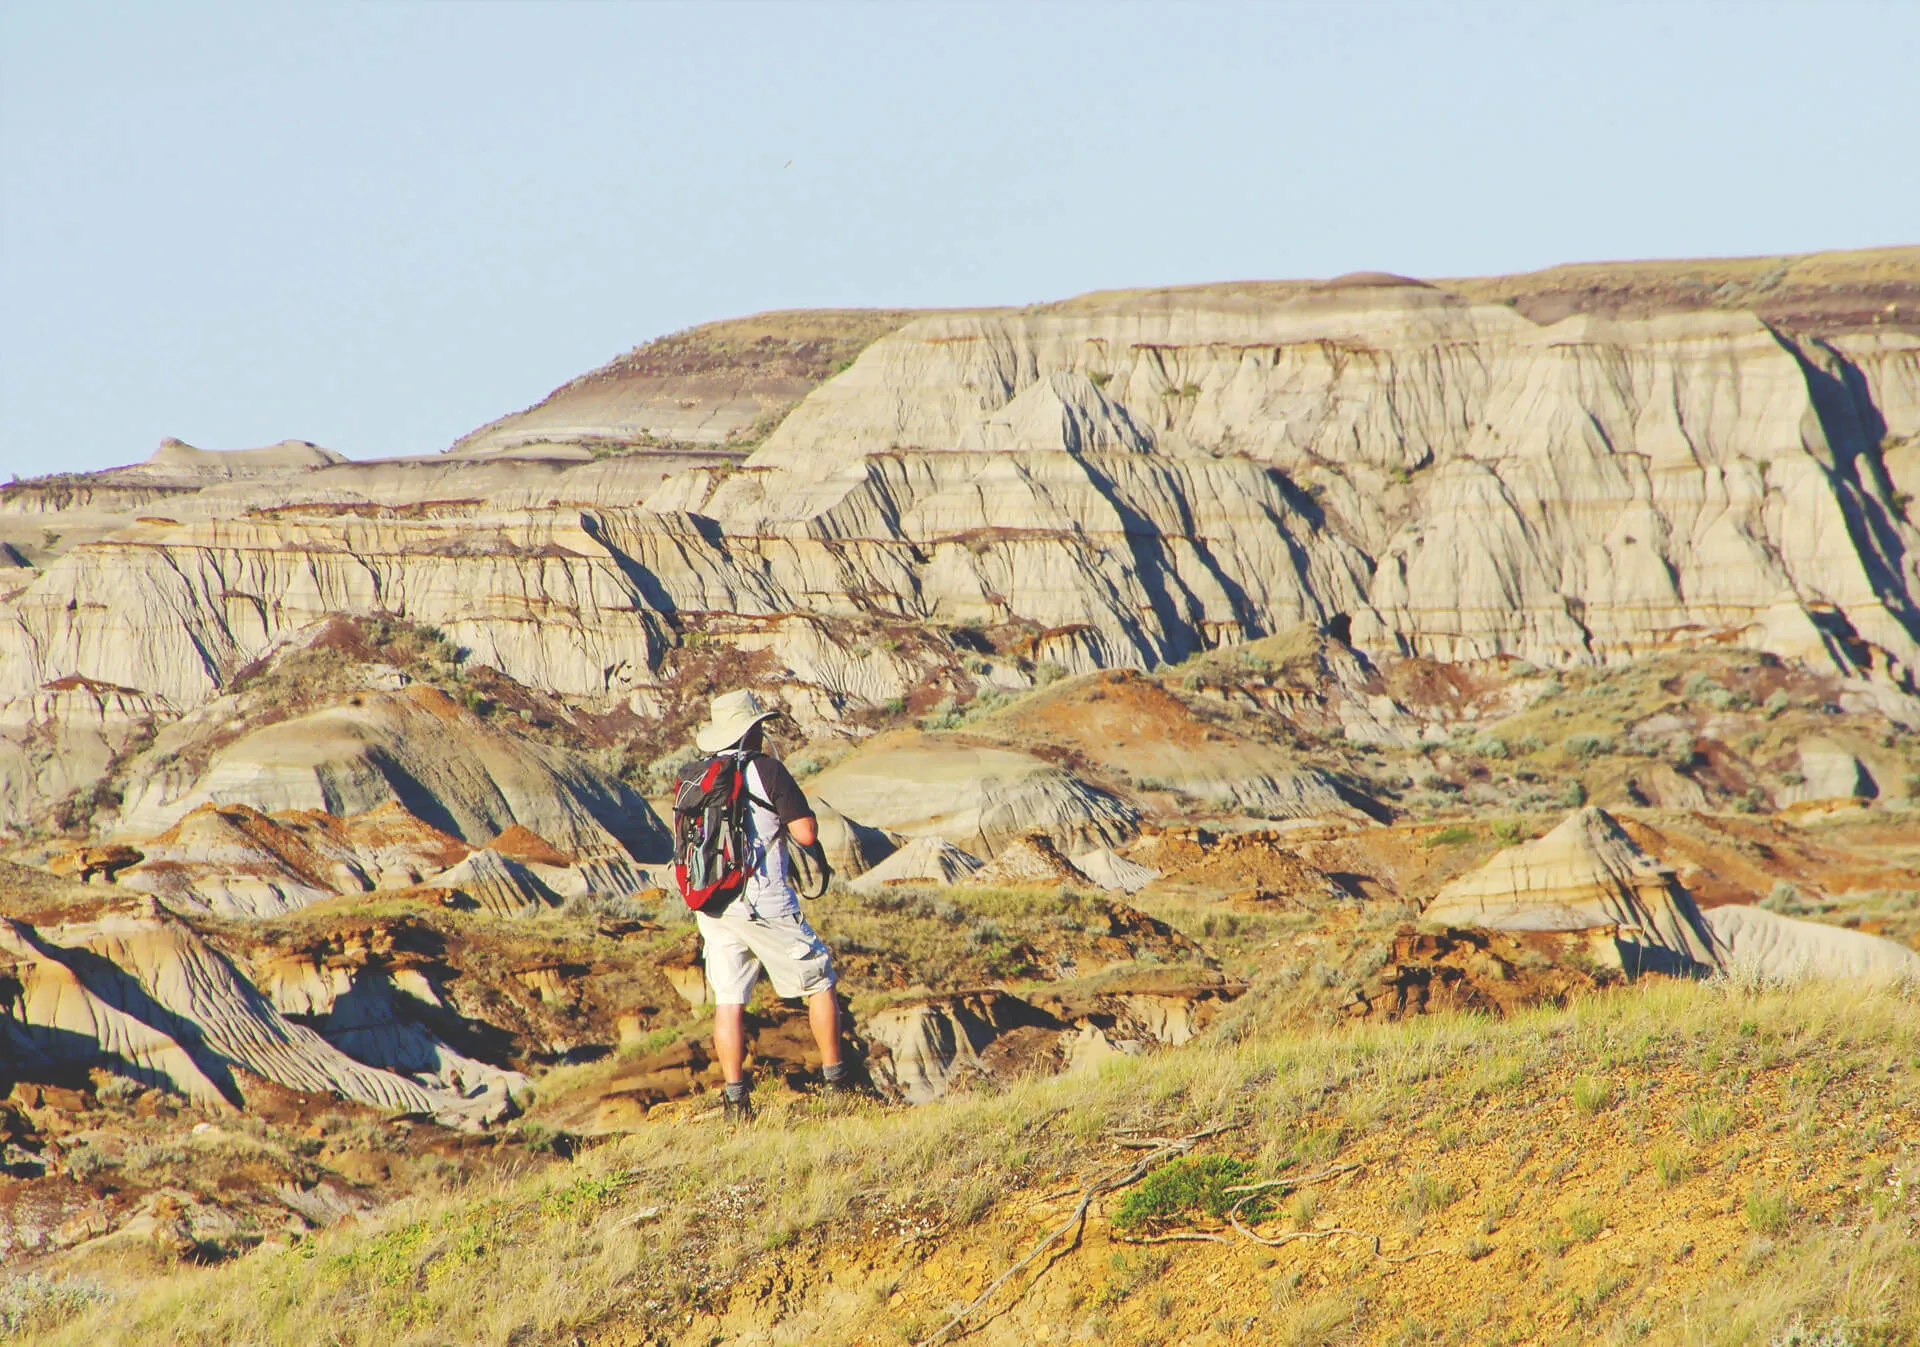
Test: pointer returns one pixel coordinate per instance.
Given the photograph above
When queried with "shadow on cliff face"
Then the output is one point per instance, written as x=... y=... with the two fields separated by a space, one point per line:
x=1854 y=430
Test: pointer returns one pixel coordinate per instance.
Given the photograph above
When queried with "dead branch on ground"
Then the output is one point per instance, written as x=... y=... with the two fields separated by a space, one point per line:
x=1275 y=1241
x=1077 y=1222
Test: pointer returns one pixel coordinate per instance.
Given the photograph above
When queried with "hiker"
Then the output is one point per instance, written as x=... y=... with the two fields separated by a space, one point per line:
x=746 y=906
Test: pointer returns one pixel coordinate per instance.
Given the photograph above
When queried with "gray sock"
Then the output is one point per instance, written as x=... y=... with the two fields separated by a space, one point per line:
x=736 y=1090
x=834 y=1072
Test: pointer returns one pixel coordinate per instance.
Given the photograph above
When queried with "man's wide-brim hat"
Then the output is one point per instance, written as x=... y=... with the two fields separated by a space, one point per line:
x=732 y=715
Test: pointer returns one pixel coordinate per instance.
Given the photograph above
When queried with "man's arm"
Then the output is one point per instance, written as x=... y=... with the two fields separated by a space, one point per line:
x=803 y=830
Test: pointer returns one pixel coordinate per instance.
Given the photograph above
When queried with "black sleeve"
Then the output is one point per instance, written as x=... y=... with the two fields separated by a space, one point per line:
x=783 y=792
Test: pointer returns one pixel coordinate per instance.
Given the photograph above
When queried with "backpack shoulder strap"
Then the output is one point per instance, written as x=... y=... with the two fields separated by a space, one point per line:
x=754 y=760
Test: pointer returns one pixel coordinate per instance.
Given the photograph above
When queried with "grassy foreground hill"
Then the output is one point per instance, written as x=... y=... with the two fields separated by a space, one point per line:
x=1717 y=1163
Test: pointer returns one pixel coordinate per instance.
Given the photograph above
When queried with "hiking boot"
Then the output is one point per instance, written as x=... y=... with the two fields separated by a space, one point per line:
x=736 y=1112
x=846 y=1090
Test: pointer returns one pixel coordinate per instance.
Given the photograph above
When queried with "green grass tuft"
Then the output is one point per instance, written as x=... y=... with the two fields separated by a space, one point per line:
x=1590 y=1096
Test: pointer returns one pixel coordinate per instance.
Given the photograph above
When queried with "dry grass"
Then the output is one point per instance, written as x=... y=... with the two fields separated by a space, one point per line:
x=947 y=939
x=680 y=1219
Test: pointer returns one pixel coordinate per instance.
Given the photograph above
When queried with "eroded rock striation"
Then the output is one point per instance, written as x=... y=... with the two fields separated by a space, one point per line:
x=416 y=748
x=140 y=994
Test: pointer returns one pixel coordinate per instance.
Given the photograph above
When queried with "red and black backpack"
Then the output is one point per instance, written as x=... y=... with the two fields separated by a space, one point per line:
x=712 y=838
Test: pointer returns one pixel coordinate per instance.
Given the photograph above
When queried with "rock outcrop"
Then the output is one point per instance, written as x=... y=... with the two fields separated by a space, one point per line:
x=61 y=738
x=1827 y=771
x=923 y=860
x=1146 y=474
x=1031 y=858
x=852 y=848
x=231 y=860
x=980 y=795
x=715 y=387
x=1569 y=491
x=1767 y=945
x=1136 y=730
x=497 y=884
x=417 y=748
x=143 y=996
x=387 y=1019
x=1110 y=870
x=926 y=1048
x=1585 y=874
x=1588 y=875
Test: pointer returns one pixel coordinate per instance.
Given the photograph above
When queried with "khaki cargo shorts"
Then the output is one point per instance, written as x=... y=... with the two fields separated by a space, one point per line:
x=739 y=946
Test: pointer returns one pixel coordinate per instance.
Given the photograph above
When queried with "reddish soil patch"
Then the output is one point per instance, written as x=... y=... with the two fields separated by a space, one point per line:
x=1723 y=859
x=1107 y=716
x=524 y=844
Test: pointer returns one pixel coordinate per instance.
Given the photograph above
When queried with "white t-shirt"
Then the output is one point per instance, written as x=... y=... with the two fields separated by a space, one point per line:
x=768 y=893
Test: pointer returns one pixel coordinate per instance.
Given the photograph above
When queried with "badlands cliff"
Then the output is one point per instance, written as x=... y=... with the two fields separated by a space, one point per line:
x=1125 y=478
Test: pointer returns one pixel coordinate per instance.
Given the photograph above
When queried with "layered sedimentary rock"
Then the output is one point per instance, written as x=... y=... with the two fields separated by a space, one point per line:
x=1133 y=728
x=234 y=861
x=1559 y=492
x=63 y=736
x=498 y=884
x=1110 y=870
x=1586 y=874
x=711 y=388
x=1031 y=858
x=417 y=748
x=978 y=795
x=852 y=848
x=924 y=860
x=386 y=1018
x=1128 y=478
x=927 y=1048
x=142 y=995
x=1765 y=943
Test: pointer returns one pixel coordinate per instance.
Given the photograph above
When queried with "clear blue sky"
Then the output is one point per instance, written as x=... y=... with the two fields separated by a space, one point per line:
x=377 y=226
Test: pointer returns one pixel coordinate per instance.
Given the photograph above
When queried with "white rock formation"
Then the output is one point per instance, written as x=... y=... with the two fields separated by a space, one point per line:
x=923 y=860
x=937 y=1044
x=1828 y=771
x=1756 y=942
x=1138 y=476
x=1561 y=493
x=382 y=1018
x=1110 y=870
x=61 y=738
x=852 y=848
x=1588 y=875
x=933 y=1045
x=226 y=862
x=1031 y=858
x=980 y=795
x=175 y=460
x=497 y=884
